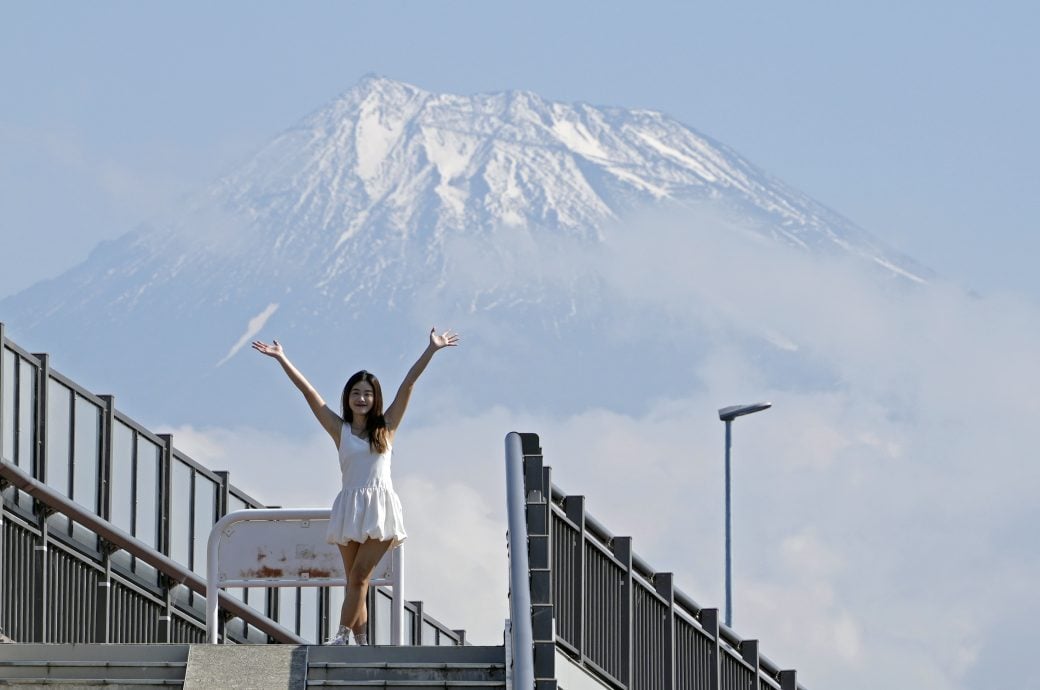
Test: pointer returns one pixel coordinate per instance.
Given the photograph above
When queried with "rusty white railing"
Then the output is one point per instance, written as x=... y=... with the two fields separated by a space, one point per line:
x=285 y=547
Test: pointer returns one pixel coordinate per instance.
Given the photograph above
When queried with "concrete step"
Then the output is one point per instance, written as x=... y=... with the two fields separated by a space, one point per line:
x=248 y=667
x=439 y=674
x=71 y=666
x=407 y=668
x=471 y=654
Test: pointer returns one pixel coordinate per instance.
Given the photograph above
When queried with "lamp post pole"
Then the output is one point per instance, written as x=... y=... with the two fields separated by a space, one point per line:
x=729 y=547
x=727 y=415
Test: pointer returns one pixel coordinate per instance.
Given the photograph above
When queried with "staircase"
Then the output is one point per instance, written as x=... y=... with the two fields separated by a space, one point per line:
x=112 y=666
x=249 y=667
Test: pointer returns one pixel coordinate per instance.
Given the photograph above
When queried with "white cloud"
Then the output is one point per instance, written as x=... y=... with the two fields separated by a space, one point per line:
x=252 y=328
x=883 y=509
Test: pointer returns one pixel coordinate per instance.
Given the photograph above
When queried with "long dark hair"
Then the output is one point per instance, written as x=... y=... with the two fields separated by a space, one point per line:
x=375 y=422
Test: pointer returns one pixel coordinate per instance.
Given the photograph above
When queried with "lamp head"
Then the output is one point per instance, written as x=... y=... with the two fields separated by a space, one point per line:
x=730 y=413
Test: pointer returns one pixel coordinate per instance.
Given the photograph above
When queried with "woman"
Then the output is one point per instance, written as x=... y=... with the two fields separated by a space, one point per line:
x=366 y=517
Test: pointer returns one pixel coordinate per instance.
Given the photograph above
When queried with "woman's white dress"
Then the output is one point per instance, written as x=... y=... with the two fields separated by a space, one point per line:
x=367 y=506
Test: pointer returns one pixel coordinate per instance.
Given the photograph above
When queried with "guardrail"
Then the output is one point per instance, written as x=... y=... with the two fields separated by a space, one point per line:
x=608 y=611
x=177 y=573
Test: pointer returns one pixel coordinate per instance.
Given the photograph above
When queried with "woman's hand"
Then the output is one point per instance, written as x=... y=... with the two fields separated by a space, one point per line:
x=272 y=350
x=395 y=412
x=446 y=339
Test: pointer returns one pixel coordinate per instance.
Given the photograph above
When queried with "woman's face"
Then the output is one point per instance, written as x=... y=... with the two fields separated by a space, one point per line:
x=361 y=397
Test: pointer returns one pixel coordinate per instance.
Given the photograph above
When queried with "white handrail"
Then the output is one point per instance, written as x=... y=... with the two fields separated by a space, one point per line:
x=225 y=527
x=519 y=572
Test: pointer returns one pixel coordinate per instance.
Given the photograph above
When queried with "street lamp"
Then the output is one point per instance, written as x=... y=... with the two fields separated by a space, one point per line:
x=727 y=415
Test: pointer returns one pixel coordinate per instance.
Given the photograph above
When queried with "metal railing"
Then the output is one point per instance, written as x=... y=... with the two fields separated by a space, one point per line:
x=178 y=574
x=521 y=641
x=100 y=461
x=596 y=601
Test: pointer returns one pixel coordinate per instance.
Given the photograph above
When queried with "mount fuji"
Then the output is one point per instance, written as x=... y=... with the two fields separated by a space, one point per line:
x=393 y=207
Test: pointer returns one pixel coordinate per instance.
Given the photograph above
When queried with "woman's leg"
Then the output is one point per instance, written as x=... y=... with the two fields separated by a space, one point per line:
x=348 y=552
x=365 y=559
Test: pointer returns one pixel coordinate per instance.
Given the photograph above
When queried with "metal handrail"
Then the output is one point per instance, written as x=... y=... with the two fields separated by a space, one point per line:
x=522 y=637
x=177 y=573
x=682 y=599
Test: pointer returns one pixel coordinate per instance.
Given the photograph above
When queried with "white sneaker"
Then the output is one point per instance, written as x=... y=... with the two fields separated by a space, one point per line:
x=361 y=638
x=340 y=639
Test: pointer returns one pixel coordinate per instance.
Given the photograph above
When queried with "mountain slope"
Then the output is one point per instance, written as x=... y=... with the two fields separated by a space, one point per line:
x=370 y=210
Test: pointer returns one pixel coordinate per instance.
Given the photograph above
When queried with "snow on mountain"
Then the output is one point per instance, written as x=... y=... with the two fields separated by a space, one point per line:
x=362 y=210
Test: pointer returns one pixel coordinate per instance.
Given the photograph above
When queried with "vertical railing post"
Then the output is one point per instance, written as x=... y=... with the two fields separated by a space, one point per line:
x=105 y=466
x=3 y=501
x=417 y=622
x=38 y=470
x=165 y=481
x=102 y=612
x=664 y=584
x=165 y=627
x=223 y=492
x=4 y=623
x=574 y=508
x=710 y=624
x=39 y=452
x=749 y=652
x=622 y=548
x=40 y=583
x=3 y=375
x=788 y=680
x=397 y=600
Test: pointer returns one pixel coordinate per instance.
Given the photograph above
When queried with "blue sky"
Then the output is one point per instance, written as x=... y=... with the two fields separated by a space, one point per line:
x=915 y=120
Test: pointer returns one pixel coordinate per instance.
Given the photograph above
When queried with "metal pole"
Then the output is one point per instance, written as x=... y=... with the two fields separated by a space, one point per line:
x=519 y=572
x=729 y=550
x=397 y=602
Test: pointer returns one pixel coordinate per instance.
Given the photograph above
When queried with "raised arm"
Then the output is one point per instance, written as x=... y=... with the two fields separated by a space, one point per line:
x=329 y=420
x=395 y=412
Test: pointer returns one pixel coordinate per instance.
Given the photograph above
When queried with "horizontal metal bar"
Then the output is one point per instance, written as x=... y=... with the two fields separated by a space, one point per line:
x=410 y=683
x=312 y=582
x=608 y=554
x=135 y=425
x=649 y=590
x=75 y=387
x=402 y=665
x=23 y=353
x=85 y=682
x=98 y=664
